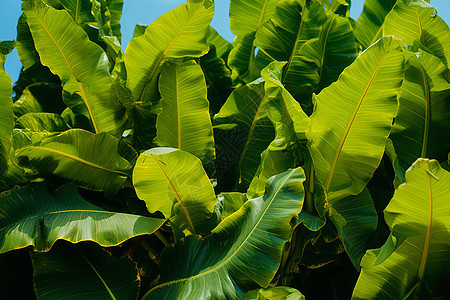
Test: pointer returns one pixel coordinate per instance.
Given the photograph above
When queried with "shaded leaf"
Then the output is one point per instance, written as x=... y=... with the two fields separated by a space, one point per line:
x=33 y=216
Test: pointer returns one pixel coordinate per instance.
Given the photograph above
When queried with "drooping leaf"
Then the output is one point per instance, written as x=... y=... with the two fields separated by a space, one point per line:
x=6 y=108
x=241 y=59
x=221 y=45
x=245 y=110
x=423 y=117
x=180 y=32
x=236 y=255
x=83 y=69
x=274 y=293
x=414 y=260
x=184 y=120
x=33 y=216
x=71 y=271
x=370 y=24
x=412 y=23
x=92 y=161
x=174 y=182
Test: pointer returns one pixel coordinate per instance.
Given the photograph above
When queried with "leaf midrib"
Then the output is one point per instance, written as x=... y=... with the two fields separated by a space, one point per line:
x=77 y=159
x=177 y=196
x=83 y=92
x=236 y=251
x=161 y=58
x=427 y=113
x=349 y=125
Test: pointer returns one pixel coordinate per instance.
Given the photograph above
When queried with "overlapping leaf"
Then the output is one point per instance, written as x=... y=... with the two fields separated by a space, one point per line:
x=414 y=260
x=346 y=139
x=6 y=108
x=74 y=271
x=33 y=216
x=92 y=161
x=418 y=22
x=83 y=70
x=423 y=117
x=184 y=120
x=174 y=182
x=245 y=108
x=180 y=32
x=370 y=24
x=221 y=265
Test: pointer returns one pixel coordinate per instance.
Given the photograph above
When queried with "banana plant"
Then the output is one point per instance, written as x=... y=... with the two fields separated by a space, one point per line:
x=308 y=158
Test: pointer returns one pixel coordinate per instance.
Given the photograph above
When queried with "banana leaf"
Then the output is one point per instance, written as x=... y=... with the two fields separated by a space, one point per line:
x=184 y=120
x=6 y=108
x=42 y=122
x=274 y=293
x=84 y=69
x=344 y=161
x=290 y=123
x=414 y=261
x=32 y=216
x=418 y=21
x=370 y=24
x=237 y=254
x=174 y=182
x=245 y=108
x=178 y=33
x=246 y=18
x=92 y=161
x=77 y=271
x=423 y=118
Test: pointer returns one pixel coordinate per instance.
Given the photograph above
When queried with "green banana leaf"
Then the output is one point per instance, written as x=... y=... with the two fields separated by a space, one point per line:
x=80 y=11
x=245 y=108
x=241 y=59
x=246 y=18
x=32 y=216
x=6 y=108
x=414 y=261
x=423 y=118
x=237 y=253
x=418 y=22
x=323 y=46
x=83 y=69
x=180 y=32
x=370 y=24
x=184 y=120
x=274 y=293
x=92 y=161
x=222 y=46
x=231 y=202
x=174 y=182
x=42 y=122
x=25 y=45
x=290 y=123
x=344 y=161
x=84 y=270
x=40 y=98
x=218 y=78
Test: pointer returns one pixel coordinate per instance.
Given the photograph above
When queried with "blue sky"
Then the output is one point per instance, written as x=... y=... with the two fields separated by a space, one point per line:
x=146 y=11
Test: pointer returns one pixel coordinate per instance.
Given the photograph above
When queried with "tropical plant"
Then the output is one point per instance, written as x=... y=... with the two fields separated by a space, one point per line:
x=308 y=159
